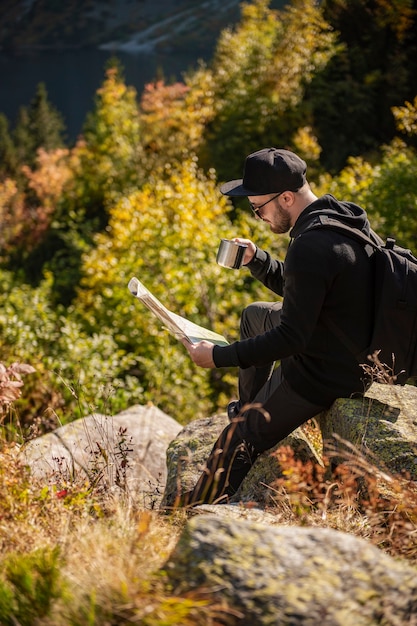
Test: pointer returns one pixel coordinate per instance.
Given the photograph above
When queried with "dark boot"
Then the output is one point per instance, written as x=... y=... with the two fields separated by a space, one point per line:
x=229 y=462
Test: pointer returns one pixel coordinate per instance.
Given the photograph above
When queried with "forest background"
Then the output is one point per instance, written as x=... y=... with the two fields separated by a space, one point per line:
x=137 y=195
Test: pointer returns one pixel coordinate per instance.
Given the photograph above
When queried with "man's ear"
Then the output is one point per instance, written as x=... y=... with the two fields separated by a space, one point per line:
x=288 y=197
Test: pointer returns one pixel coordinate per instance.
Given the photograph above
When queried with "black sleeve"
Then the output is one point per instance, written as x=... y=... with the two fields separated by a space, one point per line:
x=268 y=271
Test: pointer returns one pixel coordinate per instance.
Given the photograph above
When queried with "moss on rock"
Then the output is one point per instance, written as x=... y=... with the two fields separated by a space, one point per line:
x=292 y=575
x=382 y=426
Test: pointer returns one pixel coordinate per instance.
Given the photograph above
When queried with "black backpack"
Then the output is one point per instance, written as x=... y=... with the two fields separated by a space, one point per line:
x=394 y=336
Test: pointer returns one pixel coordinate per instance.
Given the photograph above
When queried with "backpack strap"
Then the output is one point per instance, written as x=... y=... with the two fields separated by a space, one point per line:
x=373 y=242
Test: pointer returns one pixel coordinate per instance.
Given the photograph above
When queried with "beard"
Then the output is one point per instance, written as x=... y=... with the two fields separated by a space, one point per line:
x=281 y=220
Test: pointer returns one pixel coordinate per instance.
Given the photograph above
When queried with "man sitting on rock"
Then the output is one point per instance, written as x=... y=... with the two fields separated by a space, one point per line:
x=325 y=282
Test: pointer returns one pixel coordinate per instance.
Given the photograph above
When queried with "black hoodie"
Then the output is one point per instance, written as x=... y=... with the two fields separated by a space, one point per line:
x=325 y=276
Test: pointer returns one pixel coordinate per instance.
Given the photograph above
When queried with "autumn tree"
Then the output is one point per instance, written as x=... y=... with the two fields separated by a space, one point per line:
x=251 y=94
x=73 y=189
x=162 y=109
x=173 y=118
x=32 y=234
x=12 y=218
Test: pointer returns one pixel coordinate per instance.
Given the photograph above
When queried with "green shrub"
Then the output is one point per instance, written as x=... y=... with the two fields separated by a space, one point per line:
x=28 y=586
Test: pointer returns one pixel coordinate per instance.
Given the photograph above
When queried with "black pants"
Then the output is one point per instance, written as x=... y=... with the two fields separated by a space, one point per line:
x=269 y=411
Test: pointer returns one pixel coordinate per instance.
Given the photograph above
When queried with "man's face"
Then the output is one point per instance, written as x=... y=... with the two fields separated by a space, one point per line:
x=270 y=210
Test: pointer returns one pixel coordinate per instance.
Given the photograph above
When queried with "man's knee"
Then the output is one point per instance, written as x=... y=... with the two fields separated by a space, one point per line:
x=258 y=317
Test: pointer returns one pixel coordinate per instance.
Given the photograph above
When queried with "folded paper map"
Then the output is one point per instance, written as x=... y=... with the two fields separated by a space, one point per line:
x=179 y=326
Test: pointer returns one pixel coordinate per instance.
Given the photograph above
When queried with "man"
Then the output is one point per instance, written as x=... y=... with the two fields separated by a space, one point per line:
x=325 y=281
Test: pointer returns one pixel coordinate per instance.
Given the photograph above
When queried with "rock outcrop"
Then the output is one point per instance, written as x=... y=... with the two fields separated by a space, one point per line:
x=292 y=575
x=188 y=453
x=238 y=554
x=159 y=460
x=382 y=426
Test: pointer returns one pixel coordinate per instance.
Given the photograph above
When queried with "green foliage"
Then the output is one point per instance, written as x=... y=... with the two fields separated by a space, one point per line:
x=393 y=194
x=29 y=584
x=8 y=156
x=387 y=190
x=75 y=374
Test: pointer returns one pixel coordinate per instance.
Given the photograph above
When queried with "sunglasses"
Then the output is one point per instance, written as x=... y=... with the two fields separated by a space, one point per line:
x=256 y=209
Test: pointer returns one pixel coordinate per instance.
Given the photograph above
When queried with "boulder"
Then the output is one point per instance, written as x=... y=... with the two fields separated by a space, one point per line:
x=382 y=426
x=292 y=575
x=188 y=452
x=125 y=451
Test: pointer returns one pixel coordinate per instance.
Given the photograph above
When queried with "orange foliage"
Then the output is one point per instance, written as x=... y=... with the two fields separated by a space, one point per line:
x=387 y=503
x=25 y=220
x=162 y=113
x=157 y=98
x=50 y=176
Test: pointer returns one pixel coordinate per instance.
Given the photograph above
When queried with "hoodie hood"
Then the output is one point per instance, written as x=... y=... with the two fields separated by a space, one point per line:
x=345 y=212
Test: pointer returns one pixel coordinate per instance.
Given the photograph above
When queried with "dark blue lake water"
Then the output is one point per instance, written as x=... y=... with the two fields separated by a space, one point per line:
x=73 y=77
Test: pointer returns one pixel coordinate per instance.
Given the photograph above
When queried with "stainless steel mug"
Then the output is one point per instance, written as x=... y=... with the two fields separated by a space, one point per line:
x=231 y=253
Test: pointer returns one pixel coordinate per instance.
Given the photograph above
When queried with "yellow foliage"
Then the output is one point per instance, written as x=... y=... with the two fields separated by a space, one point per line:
x=406 y=117
x=306 y=144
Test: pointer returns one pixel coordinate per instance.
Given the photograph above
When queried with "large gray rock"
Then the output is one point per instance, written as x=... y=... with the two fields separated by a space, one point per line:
x=188 y=452
x=125 y=451
x=382 y=426
x=293 y=576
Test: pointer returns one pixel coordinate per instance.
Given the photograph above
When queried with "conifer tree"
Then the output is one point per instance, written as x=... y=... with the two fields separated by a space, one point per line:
x=40 y=125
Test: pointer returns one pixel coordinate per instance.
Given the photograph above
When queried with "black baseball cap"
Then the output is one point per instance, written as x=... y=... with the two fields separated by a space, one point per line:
x=270 y=170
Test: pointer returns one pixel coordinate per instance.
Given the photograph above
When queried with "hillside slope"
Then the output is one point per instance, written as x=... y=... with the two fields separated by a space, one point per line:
x=136 y=24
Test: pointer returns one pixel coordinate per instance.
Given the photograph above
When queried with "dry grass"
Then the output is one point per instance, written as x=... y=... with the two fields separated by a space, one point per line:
x=111 y=556
x=354 y=496
x=84 y=557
